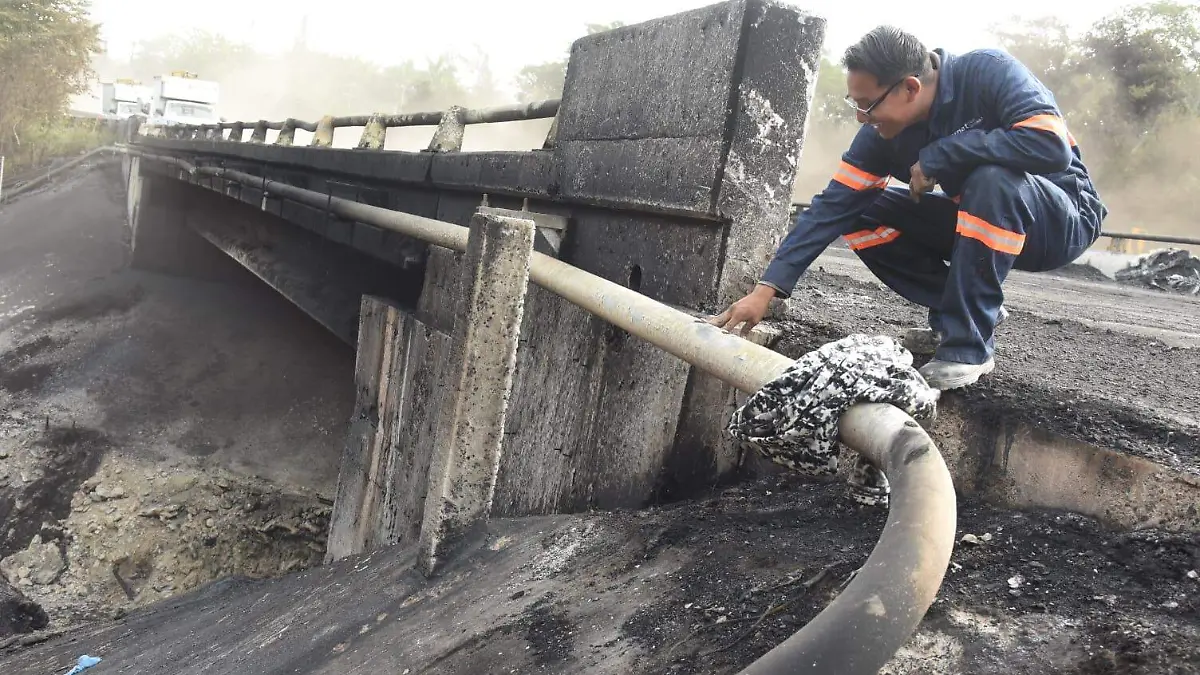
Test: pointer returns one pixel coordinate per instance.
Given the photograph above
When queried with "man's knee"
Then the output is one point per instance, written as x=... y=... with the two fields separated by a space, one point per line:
x=992 y=180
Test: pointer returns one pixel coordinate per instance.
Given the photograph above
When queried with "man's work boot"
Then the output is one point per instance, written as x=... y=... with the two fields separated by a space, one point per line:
x=925 y=341
x=945 y=375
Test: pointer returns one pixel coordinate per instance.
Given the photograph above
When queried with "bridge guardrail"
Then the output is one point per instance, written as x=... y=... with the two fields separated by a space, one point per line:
x=451 y=125
x=881 y=607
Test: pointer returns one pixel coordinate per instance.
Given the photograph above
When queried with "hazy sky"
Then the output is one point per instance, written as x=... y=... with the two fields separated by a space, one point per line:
x=520 y=32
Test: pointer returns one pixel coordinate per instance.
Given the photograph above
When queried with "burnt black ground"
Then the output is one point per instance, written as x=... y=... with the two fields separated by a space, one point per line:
x=683 y=589
x=1099 y=362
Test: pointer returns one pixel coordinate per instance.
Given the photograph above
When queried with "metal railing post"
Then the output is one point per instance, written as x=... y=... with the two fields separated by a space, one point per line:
x=323 y=136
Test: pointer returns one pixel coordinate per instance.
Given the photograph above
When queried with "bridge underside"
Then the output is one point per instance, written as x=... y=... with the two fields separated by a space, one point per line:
x=181 y=227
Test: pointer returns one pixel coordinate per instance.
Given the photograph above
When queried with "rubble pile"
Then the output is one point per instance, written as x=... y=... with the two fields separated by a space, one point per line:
x=1172 y=269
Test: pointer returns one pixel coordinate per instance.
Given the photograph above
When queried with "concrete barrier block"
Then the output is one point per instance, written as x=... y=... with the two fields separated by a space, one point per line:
x=701 y=113
x=462 y=477
x=667 y=175
x=781 y=58
x=384 y=473
x=665 y=78
x=442 y=297
x=593 y=411
x=670 y=261
x=417 y=202
x=527 y=173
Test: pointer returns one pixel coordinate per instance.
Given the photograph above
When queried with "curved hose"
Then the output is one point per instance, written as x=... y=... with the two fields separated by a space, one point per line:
x=875 y=615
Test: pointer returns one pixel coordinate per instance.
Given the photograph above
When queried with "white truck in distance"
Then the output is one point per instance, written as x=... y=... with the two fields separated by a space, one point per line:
x=181 y=98
x=123 y=98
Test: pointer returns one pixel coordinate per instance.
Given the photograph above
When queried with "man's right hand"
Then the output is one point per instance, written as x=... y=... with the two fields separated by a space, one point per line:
x=747 y=312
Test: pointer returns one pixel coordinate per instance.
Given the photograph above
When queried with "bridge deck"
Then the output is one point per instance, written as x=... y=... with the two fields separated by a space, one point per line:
x=1103 y=363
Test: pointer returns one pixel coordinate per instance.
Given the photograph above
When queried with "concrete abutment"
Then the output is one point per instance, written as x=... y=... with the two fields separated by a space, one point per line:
x=677 y=144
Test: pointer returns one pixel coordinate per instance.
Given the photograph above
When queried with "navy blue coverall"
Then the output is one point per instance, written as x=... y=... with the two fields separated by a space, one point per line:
x=1014 y=194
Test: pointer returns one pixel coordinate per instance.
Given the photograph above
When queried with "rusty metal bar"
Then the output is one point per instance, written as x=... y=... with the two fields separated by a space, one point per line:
x=512 y=113
x=1163 y=238
x=38 y=180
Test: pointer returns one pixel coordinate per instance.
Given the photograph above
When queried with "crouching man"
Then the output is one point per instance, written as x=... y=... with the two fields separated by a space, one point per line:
x=1014 y=193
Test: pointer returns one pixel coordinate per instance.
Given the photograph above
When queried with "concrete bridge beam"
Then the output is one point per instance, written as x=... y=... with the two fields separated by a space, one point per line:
x=674 y=150
x=184 y=229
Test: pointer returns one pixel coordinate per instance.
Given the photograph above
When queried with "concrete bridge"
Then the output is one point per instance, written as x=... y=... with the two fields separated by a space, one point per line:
x=668 y=170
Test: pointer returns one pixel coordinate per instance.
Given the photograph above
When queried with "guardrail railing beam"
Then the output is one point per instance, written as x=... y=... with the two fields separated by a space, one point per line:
x=447 y=137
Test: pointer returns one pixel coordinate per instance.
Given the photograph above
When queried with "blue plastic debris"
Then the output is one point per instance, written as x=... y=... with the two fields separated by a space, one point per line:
x=83 y=664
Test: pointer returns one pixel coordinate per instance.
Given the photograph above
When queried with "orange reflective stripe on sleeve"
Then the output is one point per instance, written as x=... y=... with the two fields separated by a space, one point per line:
x=995 y=238
x=857 y=179
x=868 y=238
x=1052 y=123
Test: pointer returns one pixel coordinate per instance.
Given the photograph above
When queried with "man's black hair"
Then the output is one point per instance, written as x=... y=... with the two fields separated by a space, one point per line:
x=889 y=54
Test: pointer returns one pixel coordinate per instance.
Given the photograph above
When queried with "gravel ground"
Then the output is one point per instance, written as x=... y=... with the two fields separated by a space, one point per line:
x=128 y=490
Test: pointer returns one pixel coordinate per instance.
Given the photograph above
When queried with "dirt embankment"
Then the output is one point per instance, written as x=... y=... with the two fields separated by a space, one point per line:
x=156 y=433
x=1074 y=358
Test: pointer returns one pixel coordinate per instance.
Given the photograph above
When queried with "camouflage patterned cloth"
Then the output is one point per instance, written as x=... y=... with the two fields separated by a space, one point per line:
x=793 y=420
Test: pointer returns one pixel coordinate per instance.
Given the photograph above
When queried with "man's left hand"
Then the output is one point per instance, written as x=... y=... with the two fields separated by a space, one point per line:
x=919 y=183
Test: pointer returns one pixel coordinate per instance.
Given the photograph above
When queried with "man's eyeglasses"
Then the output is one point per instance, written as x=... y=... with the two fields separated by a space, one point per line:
x=866 y=112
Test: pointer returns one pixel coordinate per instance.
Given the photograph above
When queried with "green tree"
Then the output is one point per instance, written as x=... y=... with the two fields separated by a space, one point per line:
x=1153 y=50
x=542 y=81
x=436 y=86
x=209 y=55
x=45 y=51
x=593 y=28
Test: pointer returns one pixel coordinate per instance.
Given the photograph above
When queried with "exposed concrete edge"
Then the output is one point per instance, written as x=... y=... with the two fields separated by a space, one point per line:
x=1013 y=464
x=425 y=169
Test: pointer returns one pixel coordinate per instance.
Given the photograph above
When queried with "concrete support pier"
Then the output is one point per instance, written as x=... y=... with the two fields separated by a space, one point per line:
x=483 y=357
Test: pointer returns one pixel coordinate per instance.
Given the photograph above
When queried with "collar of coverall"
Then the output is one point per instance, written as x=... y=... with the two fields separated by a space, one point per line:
x=945 y=85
